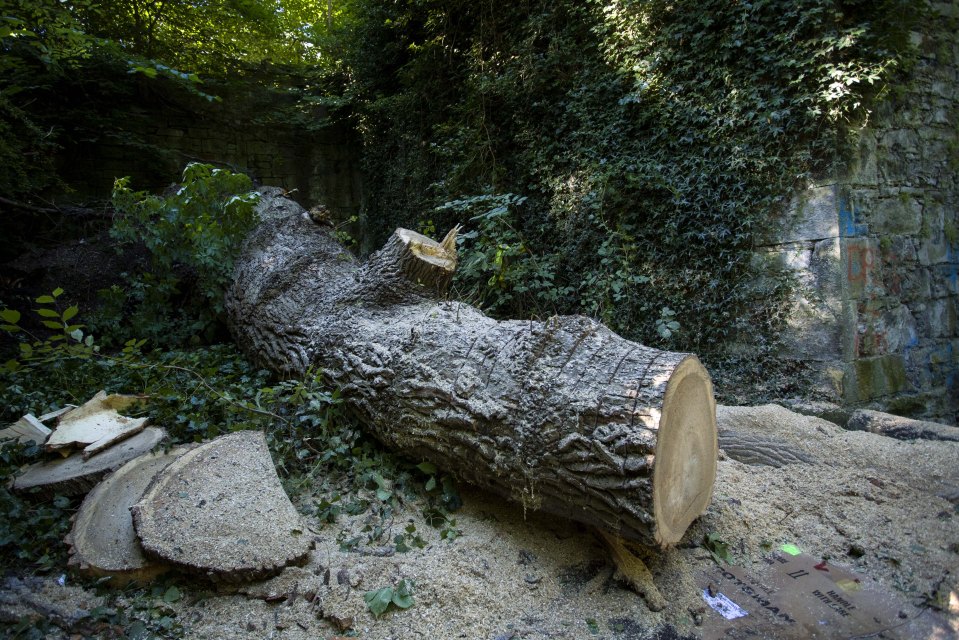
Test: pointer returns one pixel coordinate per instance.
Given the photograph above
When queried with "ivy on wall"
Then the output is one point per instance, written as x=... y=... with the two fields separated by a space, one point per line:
x=616 y=158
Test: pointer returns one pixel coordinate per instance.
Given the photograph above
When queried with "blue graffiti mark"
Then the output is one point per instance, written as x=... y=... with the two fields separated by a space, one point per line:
x=912 y=344
x=951 y=267
x=942 y=359
x=850 y=217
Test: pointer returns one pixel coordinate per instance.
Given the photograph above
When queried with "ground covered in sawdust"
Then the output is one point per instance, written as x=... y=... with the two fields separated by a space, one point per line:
x=865 y=502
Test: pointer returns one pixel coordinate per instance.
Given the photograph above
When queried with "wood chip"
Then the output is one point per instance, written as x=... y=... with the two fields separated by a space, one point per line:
x=25 y=430
x=97 y=424
x=103 y=541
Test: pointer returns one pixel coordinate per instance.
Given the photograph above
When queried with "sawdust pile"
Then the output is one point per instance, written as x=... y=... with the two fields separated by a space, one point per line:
x=866 y=502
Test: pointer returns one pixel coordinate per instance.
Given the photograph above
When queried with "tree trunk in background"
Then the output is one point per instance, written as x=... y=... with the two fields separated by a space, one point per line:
x=562 y=415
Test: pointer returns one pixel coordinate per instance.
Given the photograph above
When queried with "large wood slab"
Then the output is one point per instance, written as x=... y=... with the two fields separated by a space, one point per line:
x=220 y=510
x=103 y=541
x=97 y=425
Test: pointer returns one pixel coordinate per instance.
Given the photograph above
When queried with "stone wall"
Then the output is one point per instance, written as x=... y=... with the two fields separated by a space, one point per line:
x=321 y=166
x=876 y=249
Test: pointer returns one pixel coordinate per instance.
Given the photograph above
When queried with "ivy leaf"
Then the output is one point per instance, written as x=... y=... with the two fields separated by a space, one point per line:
x=427 y=467
x=402 y=597
x=378 y=601
x=172 y=595
x=718 y=548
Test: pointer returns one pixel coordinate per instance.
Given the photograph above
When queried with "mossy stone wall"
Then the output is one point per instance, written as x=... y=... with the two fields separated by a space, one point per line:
x=876 y=250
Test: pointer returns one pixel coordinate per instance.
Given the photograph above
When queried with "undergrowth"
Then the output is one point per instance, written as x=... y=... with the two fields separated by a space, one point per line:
x=328 y=467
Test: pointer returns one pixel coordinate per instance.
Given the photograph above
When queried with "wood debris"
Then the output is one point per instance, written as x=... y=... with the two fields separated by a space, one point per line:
x=26 y=430
x=76 y=475
x=96 y=425
x=220 y=510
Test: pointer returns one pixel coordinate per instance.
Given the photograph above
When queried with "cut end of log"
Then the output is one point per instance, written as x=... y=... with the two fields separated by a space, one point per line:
x=686 y=452
x=409 y=259
x=440 y=255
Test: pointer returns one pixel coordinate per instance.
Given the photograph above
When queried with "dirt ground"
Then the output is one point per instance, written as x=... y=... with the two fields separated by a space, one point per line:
x=866 y=502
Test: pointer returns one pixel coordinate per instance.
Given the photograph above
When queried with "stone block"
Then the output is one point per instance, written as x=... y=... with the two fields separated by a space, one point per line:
x=943 y=280
x=899 y=329
x=897 y=151
x=852 y=206
x=864 y=170
x=900 y=215
x=826 y=270
x=934 y=250
x=812 y=215
x=878 y=377
x=813 y=332
x=939 y=318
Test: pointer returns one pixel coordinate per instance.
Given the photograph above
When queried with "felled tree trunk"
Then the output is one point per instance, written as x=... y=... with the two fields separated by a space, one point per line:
x=562 y=415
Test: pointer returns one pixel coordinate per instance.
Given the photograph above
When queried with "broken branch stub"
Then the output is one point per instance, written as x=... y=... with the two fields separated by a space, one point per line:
x=562 y=415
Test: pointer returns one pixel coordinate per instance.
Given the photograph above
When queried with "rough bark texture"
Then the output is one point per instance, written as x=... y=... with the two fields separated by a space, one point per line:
x=562 y=415
x=751 y=449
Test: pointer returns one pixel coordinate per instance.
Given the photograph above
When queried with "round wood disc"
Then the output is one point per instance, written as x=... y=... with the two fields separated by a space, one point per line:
x=103 y=540
x=686 y=451
x=220 y=510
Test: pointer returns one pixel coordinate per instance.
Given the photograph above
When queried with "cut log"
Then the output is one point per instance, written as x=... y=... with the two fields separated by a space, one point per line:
x=220 y=510
x=75 y=476
x=892 y=426
x=562 y=415
x=103 y=541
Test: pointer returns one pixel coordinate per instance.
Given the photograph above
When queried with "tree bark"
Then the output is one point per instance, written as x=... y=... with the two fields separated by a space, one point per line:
x=562 y=415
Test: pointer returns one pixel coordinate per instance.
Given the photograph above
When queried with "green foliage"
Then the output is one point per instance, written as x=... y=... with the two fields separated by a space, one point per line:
x=379 y=600
x=193 y=237
x=63 y=338
x=718 y=548
x=498 y=271
x=627 y=155
x=321 y=456
x=31 y=531
x=666 y=325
